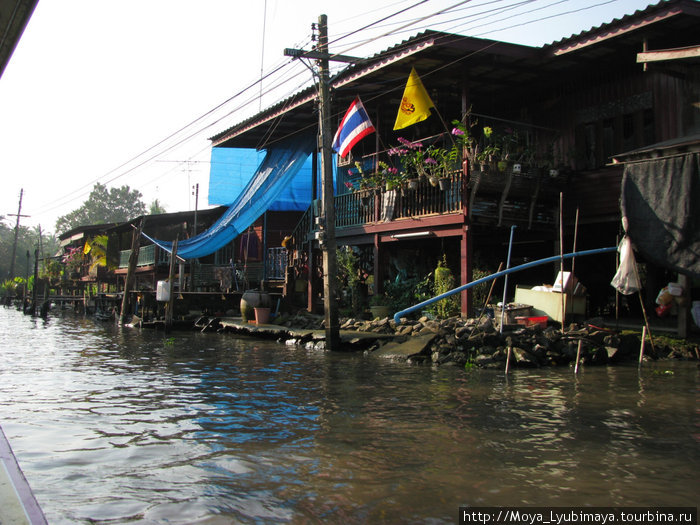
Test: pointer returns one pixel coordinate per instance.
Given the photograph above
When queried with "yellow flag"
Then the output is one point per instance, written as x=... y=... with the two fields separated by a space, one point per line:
x=87 y=247
x=415 y=104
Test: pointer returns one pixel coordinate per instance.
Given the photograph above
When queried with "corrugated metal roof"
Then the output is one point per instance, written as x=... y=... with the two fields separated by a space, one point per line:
x=632 y=22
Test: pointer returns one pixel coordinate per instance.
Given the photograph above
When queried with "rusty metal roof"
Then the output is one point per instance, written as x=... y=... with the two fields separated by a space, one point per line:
x=487 y=69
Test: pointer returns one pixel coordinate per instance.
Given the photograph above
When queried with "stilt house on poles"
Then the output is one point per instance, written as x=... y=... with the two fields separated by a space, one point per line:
x=544 y=122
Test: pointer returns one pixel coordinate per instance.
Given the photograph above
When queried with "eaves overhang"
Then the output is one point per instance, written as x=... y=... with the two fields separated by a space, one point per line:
x=646 y=18
x=14 y=17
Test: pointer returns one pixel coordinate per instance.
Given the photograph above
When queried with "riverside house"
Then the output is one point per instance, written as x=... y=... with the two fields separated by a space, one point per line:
x=545 y=122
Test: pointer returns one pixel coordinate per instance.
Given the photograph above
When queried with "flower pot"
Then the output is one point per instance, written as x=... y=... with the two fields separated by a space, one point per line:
x=262 y=314
x=380 y=311
x=252 y=299
x=412 y=184
x=433 y=181
x=444 y=183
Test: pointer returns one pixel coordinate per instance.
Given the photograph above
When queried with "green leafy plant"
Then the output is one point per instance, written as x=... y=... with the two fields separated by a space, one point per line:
x=443 y=282
x=350 y=278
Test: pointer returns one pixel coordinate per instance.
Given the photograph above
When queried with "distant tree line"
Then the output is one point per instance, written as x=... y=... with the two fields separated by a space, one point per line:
x=28 y=239
x=103 y=206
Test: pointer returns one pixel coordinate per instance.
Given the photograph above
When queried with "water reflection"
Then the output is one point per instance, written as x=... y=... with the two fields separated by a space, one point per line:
x=123 y=425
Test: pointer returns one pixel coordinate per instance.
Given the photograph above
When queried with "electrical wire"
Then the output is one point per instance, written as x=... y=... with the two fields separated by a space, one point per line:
x=402 y=26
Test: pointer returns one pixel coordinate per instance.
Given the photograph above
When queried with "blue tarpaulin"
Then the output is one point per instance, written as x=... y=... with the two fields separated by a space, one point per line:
x=274 y=181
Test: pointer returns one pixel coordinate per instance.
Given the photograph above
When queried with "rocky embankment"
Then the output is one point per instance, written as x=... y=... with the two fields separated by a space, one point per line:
x=457 y=341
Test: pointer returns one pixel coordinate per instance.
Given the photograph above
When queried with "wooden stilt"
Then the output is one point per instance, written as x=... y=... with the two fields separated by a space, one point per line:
x=131 y=269
x=171 y=286
x=508 y=360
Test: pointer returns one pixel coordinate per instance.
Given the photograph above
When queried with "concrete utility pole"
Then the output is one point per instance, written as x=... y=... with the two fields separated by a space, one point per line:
x=11 y=274
x=195 y=192
x=328 y=244
x=327 y=218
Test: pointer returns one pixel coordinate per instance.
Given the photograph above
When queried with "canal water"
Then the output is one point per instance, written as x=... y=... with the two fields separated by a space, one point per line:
x=133 y=426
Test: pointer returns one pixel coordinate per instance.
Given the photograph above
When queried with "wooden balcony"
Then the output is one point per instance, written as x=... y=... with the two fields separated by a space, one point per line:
x=529 y=198
x=371 y=206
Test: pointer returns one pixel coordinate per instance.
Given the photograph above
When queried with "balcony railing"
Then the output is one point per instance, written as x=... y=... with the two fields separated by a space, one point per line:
x=148 y=256
x=368 y=206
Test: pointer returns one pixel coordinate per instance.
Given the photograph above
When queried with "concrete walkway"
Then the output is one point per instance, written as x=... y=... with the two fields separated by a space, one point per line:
x=350 y=340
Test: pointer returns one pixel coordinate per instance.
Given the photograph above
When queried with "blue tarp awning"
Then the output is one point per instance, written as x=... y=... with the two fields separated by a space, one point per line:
x=274 y=183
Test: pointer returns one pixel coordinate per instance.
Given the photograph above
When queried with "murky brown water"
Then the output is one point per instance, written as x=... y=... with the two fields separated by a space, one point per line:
x=129 y=426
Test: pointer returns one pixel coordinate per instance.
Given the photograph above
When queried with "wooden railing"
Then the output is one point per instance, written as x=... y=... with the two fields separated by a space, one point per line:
x=368 y=206
x=301 y=232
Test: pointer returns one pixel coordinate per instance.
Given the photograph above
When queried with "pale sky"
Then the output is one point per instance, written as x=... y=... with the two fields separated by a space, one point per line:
x=105 y=90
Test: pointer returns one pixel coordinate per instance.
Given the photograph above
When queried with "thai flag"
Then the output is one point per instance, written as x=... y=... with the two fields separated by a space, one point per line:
x=355 y=126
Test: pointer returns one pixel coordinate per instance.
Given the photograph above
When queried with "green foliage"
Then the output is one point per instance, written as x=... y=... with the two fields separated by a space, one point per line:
x=155 y=208
x=404 y=293
x=104 y=205
x=481 y=291
x=444 y=281
x=28 y=240
x=98 y=251
x=53 y=270
x=350 y=280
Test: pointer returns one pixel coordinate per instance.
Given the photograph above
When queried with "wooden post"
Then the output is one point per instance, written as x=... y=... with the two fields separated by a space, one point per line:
x=466 y=246
x=508 y=360
x=131 y=270
x=684 y=308
x=36 y=280
x=171 y=287
x=378 y=286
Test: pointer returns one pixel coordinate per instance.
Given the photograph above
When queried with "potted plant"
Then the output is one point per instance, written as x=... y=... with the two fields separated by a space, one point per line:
x=380 y=306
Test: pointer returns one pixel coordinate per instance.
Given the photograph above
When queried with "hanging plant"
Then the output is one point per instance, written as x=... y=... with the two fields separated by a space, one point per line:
x=444 y=281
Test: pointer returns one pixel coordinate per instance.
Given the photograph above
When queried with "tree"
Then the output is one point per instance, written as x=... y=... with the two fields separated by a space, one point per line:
x=104 y=205
x=28 y=240
x=156 y=208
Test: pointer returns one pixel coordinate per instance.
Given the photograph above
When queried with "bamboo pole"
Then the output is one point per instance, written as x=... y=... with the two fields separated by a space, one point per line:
x=508 y=360
x=641 y=347
x=505 y=281
x=617 y=292
x=561 y=259
x=488 y=297
x=578 y=355
x=573 y=259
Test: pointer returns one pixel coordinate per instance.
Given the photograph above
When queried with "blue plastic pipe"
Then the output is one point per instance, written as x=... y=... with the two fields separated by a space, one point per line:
x=555 y=258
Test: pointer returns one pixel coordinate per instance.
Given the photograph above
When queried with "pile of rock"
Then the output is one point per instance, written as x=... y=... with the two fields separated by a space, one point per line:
x=456 y=341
